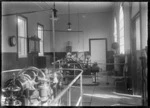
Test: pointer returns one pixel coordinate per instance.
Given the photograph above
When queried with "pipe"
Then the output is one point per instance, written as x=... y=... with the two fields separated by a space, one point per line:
x=11 y=70
x=53 y=30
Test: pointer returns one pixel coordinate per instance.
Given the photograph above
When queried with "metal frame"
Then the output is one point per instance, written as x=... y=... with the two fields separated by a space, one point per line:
x=13 y=70
x=68 y=90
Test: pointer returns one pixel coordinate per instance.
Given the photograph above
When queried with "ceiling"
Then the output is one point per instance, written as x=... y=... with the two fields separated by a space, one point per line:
x=62 y=7
x=81 y=7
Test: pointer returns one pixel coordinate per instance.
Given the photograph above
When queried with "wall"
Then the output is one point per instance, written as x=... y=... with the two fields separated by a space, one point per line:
x=126 y=10
x=131 y=9
x=90 y=25
x=10 y=58
x=144 y=20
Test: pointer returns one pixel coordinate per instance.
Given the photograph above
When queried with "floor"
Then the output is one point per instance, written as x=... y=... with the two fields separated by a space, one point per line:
x=101 y=95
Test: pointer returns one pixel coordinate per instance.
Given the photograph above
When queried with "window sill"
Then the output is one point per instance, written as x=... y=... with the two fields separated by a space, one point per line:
x=40 y=55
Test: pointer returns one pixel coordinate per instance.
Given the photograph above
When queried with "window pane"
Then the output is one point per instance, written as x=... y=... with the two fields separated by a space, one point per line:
x=40 y=35
x=121 y=28
x=22 y=34
x=115 y=30
x=19 y=45
x=25 y=46
x=41 y=47
x=121 y=33
x=21 y=27
x=138 y=46
x=22 y=46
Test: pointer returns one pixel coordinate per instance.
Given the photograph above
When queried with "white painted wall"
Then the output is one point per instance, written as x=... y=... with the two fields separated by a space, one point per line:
x=9 y=23
x=127 y=22
x=135 y=8
x=93 y=25
x=144 y=19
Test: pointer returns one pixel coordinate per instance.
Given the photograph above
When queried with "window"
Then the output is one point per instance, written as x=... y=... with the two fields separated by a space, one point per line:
x=40 y=35
x=121 y=29
x=138 y=42
x=115 y=30
x=22 y=37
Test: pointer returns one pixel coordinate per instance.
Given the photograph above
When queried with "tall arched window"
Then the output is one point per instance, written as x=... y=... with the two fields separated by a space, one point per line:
x=121 y=30
x=115 y=30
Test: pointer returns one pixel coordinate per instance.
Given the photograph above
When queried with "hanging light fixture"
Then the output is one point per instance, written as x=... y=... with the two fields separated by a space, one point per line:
x=55 y=12
x=69 y=23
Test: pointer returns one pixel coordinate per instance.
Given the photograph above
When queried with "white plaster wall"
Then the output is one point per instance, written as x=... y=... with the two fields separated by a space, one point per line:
x=8 y=29
x=127 y=23
x=135 y=8
x=9 y=24
x=93 y=25
x=144 y=19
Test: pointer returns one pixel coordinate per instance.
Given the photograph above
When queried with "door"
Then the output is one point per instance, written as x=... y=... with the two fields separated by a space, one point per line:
x=98 y=52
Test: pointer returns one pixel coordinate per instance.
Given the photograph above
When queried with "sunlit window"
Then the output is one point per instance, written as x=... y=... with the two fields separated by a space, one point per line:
x=115 y=30
x=40 y=35
x=121 y=29
x=22 y=37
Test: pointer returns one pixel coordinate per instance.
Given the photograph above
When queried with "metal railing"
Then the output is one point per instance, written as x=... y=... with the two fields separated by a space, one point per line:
x=68 y=90
x=12 y=70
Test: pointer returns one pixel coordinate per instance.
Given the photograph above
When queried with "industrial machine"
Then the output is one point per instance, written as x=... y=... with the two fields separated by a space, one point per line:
x=32 y=87
x=72 y=62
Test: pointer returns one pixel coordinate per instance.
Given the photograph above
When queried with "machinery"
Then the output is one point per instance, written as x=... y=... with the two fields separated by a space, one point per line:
x=74 y=63
x=32 y=87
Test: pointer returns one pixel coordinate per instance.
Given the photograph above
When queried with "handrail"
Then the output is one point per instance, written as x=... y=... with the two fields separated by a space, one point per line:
x=54 y=102
x=97 y=63
x=12 y=70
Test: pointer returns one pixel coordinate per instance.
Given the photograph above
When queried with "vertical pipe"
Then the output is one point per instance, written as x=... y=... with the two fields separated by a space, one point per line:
x=69 y=97
x=53 y=29
x=81 y=92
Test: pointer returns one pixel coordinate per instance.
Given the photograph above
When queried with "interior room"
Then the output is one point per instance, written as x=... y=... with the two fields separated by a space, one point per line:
x=74 y=53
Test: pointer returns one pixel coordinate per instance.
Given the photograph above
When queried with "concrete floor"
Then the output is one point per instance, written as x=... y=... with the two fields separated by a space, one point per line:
x=101 y=95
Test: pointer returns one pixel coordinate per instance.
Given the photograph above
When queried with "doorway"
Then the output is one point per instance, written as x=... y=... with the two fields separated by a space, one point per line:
x=98 y=48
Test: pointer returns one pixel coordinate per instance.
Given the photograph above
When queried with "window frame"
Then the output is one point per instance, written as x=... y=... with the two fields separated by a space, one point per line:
x=39 y=53
x=26 y=38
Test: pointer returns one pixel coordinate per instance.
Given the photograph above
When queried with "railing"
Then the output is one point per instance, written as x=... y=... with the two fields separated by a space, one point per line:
x=13 y=70
x=68 y=90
